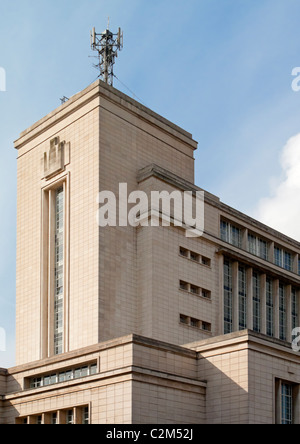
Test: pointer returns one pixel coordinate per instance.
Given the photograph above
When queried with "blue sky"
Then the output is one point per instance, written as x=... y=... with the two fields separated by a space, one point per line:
x=221 y=69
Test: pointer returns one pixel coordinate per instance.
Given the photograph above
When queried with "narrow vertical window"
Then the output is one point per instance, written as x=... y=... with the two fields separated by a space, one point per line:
x=256 y=302
x=287 y=264
x=242 y=299
x=236 y=237
x=282 y=313
x=295 y=309
x=224 y=231
x=251 y=244
x=70 y=417
x=278 y=256
x=59 y=272
x=54 y=418
x=263 y=249
x=286 y=403
x=269 y=308
x=85 y=416
x=227 y=297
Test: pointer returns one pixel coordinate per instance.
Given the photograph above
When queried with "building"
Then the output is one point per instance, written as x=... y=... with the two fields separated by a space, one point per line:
x=142 y=324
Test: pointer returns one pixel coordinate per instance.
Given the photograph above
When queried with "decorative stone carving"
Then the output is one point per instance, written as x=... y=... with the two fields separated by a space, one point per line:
x=55 y=158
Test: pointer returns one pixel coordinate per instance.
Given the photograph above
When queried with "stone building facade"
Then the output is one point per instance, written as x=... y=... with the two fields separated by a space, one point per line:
x=142 y=324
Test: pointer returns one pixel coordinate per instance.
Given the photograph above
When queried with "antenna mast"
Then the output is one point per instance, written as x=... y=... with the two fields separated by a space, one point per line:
x=107 y=45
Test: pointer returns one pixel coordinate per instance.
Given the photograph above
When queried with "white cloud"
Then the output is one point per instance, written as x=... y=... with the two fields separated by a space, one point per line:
x=282 y=209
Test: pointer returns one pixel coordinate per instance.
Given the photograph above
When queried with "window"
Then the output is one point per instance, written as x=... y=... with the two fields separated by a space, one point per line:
x=269 y=307
x=256 y=302
x=78 y=415
x=228 y=326
x=65 y=376
x=184 y=319
x=54 y=418
x=286 y=404
x=195 y=257
x=282 y=313
x=36 y=382
x=242 y=298
x=70 y=417
x=183 y=252
x=85 y=416
x=283 y=259
x=194 y=289
x=205 y=261
x=195 y=323
x=278 y=256
x=49 y=380
x=231 y=234
x=183 y=286
x=286 y=401
x=205 y=294
x=68 y=375
x=257 y=246
x=93 y=369
x=295 y=309
x=206 y=326
x=59 y=272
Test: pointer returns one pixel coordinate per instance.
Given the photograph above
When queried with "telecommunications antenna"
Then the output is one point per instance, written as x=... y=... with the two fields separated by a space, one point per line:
x=107 y=45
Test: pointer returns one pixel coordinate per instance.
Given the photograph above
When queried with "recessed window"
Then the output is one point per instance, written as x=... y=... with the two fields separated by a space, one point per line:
x=269 y=307
x=282 y=312
x=286 y=402
x=183 y=252
x=295 y=308
x=256 y=302
x=242 y=288
x=184 y=320
x=194 y=289
x=184 y=285
x=206 y=294
x=85 y=416
x=206 y=326
x=54 y=418
x=283 y=259
x=78 y=414
x=231 y=234
x=205 y=261
x=70 y=417
x=195 y=323
x=257 y=246
x=228 y=297
x=68 y=375
x=195 y=257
